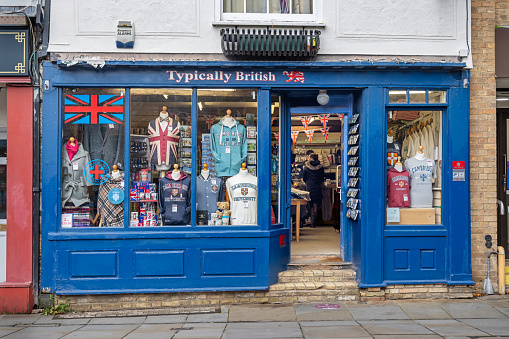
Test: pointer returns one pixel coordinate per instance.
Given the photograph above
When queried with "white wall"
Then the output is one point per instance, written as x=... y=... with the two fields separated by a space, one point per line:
x=360 y=27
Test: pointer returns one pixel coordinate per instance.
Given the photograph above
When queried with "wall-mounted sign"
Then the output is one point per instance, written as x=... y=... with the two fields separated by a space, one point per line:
x=125 y=34
x=14 y=53
x=458 y=171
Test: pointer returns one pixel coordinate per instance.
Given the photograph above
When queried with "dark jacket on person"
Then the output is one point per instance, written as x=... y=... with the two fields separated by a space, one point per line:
x=313 y=177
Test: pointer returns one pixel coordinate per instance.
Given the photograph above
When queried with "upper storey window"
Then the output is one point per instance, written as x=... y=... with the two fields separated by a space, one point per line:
x=283 y=11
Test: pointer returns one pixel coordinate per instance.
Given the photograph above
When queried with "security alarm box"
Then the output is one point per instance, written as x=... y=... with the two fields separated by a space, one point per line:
x=125 y=34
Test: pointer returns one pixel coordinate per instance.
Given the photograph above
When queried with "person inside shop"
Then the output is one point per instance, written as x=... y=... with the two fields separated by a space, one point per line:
x=313 y=177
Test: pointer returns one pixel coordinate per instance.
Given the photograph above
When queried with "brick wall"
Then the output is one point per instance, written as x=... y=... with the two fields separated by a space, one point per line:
x=483 y=135
x=502 y=13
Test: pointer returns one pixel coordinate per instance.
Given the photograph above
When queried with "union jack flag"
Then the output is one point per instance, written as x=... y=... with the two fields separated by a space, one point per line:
x=309 y=134
x=294 y=76
x=340 y=115
x=93 y=109
x=295 y=135
x=276 y=135
x=325 y=132
x=305 y=121
x=324 y=118
x=209 y=119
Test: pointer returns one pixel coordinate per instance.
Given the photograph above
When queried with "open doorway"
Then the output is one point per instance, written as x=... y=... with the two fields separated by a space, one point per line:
x=316 y=134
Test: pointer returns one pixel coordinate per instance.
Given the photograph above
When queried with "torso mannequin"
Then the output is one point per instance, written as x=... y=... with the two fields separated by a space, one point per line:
x=420 y=154
x=399 y=166
x=175 y=174
x=243 y=169
x=163 y=115
x=115 y=174
x=163 y=137
x=228 y=120
x=205 y=172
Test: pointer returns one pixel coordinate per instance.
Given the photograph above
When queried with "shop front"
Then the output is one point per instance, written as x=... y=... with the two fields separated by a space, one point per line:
x=175 y=177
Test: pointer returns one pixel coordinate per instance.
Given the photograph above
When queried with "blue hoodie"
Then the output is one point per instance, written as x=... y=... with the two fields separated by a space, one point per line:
x=175 y=199
x=222 y=137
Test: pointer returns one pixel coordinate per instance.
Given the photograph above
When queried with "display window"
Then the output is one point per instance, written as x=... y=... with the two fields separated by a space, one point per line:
x=227 y=184
x=275 y=163
x=93 y=157
x=414 y=166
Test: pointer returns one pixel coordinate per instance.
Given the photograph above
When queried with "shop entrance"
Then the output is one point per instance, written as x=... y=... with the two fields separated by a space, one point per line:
x=502 y=184
x=316 y=133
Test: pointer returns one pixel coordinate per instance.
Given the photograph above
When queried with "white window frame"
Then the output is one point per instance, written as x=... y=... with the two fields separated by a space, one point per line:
x=267 y=18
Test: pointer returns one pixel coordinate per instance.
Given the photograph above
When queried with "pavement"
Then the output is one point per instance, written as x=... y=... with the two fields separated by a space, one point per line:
x=485 y=317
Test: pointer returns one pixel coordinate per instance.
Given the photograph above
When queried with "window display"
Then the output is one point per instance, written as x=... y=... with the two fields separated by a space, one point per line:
x=242 y=192
x=93 y=145
x=414 y=162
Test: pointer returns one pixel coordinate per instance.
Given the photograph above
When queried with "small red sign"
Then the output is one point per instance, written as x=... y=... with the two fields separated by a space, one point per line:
x=282 y=240
x=458 y=165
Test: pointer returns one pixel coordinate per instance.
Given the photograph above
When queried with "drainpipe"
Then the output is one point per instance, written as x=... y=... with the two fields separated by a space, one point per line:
x=501 y=270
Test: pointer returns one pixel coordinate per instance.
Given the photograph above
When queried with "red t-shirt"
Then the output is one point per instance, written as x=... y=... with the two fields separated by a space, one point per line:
x=398 y=188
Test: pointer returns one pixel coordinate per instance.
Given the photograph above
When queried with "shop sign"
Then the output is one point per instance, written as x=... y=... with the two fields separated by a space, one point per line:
x=97 y=172
x=14 y=53
x=181 y=77
x=66 y=220
x=458 y=171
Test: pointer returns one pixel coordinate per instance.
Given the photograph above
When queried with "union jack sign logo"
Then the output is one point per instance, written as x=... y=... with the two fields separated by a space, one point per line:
x=93 y=109
x=305 y=121
x=209 y=119
x=325 y=132
x=295 y=135
x=324 y=118
x=295 y=76
x=309 y=134
x=243 y=191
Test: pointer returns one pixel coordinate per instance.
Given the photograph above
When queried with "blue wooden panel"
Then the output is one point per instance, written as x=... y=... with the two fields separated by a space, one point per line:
x=93 y=264
x=414 y=259
x=227 y=262
x=158 y=263
x=401 y=260
x=428 y=260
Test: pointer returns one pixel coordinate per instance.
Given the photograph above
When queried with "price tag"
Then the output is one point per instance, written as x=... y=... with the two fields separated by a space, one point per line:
x=75 y=166
x=430 y=163
x=227 y=150
x=174 y=208
x=214 y=181
x=405 y=197
x=245 y=204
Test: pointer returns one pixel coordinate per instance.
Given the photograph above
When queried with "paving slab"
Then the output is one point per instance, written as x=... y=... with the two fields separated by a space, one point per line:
x=424 y=310
x=117 y=321
x=9 y=330
x=347 y=331
x=470 y=309
x=504 y=310
x=245 y=313
x=201 y=332
x=490 y=326
x=328 y=323
x=386 y=310
x=495 y=300
x=392 y=336
x=101 y=332
x=208 y=318
x=394 y=327
x=153 y=331
x=17 y=319
x=166 y=319
x=199 y=325
x=50 y=320
x=46 y=332
x=310 y=312
x=450 y=327
x=249 y=330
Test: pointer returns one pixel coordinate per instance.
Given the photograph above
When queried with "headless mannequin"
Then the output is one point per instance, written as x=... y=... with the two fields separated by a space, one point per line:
x=115 y=173
x=205 y=172
x=163 y=115
x=228 y=120
x=390 y=137
x=420 y=154
x=399 y=166
x=72 y=140
x=243 y=169
x=175 y=174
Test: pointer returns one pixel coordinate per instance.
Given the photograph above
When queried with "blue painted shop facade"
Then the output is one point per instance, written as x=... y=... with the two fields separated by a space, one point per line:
x=127 y=259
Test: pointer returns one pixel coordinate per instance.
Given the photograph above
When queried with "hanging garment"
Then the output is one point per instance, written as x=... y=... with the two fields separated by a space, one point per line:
x=242 y=191
x=326 y=204
x=421 y=174
x=398 y=188
x=393 y=152
x=175 y=199
x=111 y=214
x=74 y=183
x=313 y=177
x=105 y=142
x=229 y=148
x=208 y=192
x=164 y=143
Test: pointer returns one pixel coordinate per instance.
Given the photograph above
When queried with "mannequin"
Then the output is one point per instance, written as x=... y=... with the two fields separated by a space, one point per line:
x=393 y=149
x=422 y=171
x=399 y=166
x=205 y=172
x=175 y=174
x=164 y=135
x=74 y=182
x=242 y=190
x=115 y=174
x=228 y=144
x=112 y=213
x=420 y=154
x=390 y=137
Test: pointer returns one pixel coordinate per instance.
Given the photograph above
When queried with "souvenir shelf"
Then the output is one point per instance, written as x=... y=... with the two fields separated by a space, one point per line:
x=353 y=202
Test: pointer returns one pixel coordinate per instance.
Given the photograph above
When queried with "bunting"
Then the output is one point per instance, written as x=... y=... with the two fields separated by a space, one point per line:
x=305 y=121
x=295 y=135
x=276 y=135
x=340 y=115
x=309 y=134
x=210 y=120
x=324 y=119
x=325 y=132
x=271 y=121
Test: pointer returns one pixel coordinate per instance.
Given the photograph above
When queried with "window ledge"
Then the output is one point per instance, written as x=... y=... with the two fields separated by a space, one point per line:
x=268 y=23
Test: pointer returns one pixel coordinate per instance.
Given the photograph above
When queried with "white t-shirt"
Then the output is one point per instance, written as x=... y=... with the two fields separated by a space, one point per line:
x=421 y=180
x=243 y=191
